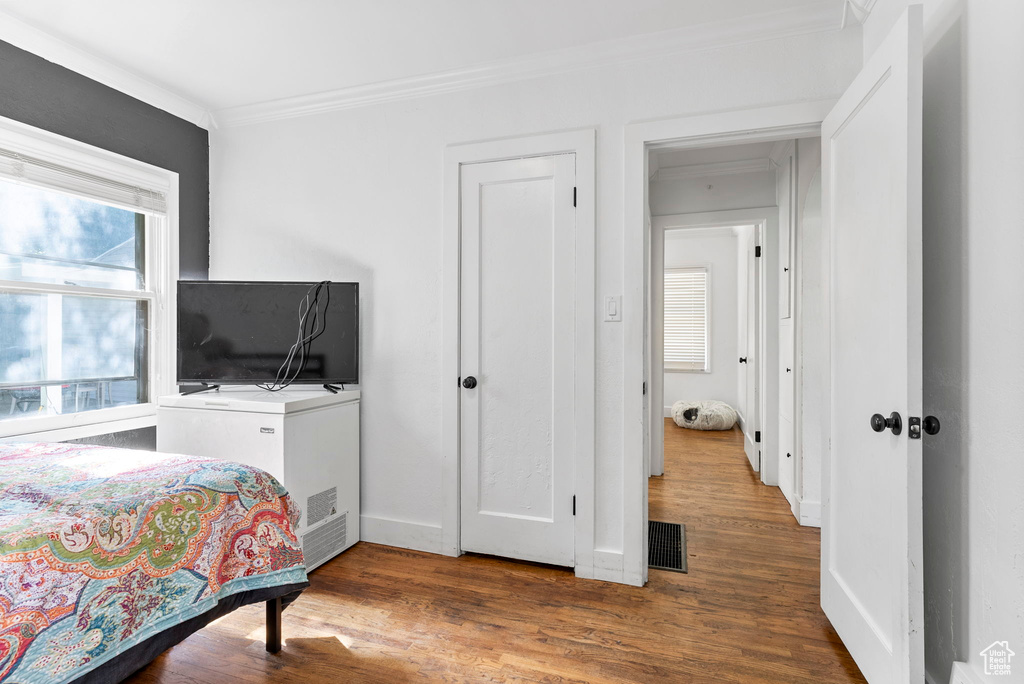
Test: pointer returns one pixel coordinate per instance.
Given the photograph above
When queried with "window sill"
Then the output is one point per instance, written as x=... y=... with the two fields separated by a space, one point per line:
x=78 y=425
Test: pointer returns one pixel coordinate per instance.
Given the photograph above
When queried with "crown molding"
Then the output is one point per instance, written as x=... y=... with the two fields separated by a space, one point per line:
x=859 y=10
x=728 y=168
x=31 y=39
x=780 y=151
x=804 y=19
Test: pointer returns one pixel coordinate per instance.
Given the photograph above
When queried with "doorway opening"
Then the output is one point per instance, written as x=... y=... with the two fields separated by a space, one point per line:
x=727 y=244
x=725 y=230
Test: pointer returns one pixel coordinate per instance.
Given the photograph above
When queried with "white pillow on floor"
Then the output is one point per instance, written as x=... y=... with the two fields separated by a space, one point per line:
x=704 y=415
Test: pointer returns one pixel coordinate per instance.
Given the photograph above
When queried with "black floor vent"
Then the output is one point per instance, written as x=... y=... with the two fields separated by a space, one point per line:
x=666 y=546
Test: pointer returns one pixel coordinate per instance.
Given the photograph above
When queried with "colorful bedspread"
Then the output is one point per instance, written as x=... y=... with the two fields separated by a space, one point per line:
x=102 y=548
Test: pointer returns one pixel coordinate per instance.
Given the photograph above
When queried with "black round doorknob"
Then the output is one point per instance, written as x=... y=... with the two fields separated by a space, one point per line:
x=893 y=422
x=469 y=382
x=743 y=359
x=931 y=425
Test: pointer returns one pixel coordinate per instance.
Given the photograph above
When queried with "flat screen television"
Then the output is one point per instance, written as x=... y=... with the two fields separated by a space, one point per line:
x=240 y=333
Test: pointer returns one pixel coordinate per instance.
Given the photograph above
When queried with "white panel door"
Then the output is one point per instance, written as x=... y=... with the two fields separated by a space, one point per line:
x=517 y=358
x=871 y=554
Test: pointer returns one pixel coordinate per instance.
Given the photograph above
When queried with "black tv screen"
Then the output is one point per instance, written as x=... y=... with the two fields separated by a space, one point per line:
x=240 y=333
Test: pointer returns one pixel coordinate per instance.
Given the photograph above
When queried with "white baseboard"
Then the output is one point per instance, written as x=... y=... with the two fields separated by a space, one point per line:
x=401 y=533
x=808 y=512
x=608 y=566
x=962 y=673
x=668 y=411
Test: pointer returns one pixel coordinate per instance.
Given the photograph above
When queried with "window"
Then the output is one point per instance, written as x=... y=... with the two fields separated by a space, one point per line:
x=686 y=319
x=85 y=282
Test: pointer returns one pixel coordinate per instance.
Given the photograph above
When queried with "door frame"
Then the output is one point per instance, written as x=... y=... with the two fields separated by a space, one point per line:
x=725 y=128
x=765 y=222
x=581 y=143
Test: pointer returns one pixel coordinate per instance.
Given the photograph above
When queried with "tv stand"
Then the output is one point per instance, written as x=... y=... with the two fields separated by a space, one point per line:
x=203 y=388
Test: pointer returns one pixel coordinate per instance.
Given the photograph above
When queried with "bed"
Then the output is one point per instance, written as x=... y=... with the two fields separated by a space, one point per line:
x=110 y=556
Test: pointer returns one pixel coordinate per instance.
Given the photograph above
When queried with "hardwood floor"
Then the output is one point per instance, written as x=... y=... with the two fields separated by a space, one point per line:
x=746 y=612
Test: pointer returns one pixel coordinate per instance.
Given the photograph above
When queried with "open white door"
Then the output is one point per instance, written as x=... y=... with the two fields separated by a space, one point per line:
x=871 y=551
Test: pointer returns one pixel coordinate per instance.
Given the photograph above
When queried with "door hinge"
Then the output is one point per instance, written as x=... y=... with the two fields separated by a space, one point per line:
x=757 y=436
x=645 y=387
x=757 y=251
x=574 y=196
x=459 y=382
x=574 y=504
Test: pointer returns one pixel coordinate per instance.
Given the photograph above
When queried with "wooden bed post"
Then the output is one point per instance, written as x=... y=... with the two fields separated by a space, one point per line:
x=274 y=625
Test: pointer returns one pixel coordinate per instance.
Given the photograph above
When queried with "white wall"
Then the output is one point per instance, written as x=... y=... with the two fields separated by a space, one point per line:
x=749 y=190
x=715 y=250
x=812 y=330
x=357 y=195
x=973 y=325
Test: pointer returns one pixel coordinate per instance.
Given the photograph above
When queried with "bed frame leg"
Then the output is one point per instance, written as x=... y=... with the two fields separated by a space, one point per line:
x=274 y=625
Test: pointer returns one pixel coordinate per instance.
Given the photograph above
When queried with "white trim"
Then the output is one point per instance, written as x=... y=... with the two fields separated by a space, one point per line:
x=57 y=288
x=748 y=125
x=784 y=23
x=38 y=42
x=582 y=144
x=780 y=151
x=161 y=276
x=64 y=151
x=669 y=223
x=400 y=533
x=727 y=168
x=607 y=566
x=860 y=12
x=714 y=222
x=808 y=513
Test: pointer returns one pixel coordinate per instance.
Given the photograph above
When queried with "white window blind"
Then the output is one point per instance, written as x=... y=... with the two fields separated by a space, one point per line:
x=686 y=319
x=45 y=174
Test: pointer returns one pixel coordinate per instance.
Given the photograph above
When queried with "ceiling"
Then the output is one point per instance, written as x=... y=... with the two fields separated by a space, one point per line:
x=227 y=53
x=671 y=158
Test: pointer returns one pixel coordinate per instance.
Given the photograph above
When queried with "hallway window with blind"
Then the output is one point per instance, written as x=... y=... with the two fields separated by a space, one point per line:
x=686 y=319
x=84 y=281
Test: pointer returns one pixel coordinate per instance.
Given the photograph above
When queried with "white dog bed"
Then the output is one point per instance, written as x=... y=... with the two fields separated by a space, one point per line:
x=704 y=415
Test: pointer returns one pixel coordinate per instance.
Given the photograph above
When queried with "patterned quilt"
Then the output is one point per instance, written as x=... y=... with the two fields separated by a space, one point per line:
x=102 y=548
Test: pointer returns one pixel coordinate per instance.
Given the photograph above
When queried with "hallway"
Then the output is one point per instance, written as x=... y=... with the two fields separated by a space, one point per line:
x=752 y=568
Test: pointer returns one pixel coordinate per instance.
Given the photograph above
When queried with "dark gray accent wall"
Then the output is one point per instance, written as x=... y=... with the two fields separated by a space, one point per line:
x=48 y=96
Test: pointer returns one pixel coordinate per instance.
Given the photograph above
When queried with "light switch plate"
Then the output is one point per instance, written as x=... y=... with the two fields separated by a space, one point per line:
x=613 y=308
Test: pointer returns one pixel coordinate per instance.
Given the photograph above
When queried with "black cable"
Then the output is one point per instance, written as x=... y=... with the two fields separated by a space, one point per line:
x=304 y=340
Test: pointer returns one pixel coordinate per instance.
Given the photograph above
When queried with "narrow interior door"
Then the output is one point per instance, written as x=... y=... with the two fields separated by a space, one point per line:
x=871 y=553
x=517 y=357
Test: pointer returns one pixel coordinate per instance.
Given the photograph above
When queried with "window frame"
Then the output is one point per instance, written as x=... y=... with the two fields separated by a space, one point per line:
x=159 y=291
x=667 y=365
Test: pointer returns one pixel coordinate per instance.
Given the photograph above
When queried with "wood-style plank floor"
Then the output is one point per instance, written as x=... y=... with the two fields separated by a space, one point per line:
x=746 y=612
